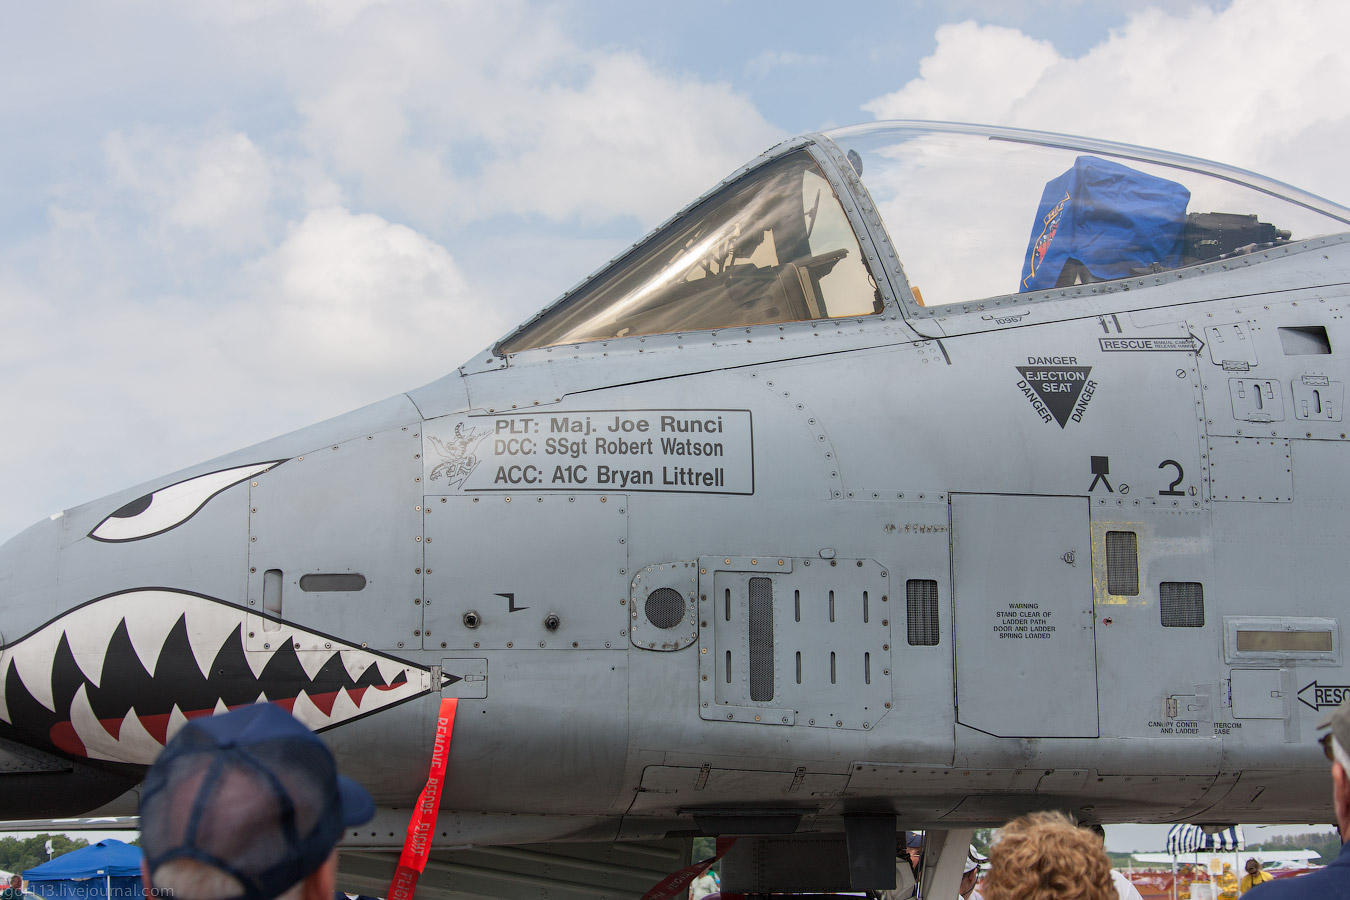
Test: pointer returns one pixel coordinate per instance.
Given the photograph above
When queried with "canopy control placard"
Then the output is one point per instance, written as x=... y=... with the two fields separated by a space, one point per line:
x=678 y=450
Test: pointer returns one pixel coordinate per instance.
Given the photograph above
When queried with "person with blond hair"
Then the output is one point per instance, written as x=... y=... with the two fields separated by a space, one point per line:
x=1045 y=856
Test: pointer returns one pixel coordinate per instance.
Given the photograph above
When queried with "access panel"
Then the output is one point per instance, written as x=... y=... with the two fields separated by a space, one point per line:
x=1026 y=662
x=794 y=641
x=526 y=572
x=335 y=545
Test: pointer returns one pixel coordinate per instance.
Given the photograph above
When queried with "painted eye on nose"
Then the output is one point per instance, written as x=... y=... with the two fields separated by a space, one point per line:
x=171 y=506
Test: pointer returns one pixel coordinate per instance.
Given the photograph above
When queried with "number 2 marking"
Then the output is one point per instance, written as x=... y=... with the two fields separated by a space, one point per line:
x=1172 y=488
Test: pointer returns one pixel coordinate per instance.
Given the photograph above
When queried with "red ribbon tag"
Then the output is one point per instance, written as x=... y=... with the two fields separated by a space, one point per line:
x=412 y=862
x=676 y=884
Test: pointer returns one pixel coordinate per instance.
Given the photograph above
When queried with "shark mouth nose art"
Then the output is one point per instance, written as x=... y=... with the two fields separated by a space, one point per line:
x=114 y=678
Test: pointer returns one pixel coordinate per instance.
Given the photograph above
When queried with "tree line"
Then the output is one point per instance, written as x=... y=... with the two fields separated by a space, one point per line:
x=18 y=854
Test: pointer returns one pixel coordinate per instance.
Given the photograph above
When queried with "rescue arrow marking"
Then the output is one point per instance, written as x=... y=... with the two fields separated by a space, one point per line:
x=1324 y=695
x=1188 y=344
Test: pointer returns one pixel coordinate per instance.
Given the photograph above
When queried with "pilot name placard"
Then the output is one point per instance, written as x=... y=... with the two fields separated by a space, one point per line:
x=677 y=450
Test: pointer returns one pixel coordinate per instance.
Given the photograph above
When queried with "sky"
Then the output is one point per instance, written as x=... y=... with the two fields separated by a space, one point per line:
x=224 y=221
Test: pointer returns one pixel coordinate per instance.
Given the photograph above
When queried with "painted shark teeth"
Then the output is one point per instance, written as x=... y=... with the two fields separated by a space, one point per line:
x=114 y=678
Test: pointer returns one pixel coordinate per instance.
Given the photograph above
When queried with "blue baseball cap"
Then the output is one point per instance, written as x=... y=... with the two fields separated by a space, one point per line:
x=253 y=793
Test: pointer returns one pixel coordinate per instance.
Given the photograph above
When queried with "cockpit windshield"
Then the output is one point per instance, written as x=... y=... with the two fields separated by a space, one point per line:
x=976 y=213
x=775 y=246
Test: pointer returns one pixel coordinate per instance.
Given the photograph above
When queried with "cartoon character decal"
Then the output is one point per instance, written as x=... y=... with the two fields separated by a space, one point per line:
x=457 y=457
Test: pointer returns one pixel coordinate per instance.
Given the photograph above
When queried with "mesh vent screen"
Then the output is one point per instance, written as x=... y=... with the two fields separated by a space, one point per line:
x=1182 y=604
x=761 y=639
x=665 y=607
x=921 y=610
x=1122 y=563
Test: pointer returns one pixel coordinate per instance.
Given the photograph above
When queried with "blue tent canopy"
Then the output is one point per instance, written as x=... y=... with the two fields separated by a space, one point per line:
x=1108 y=221
x=108 y=870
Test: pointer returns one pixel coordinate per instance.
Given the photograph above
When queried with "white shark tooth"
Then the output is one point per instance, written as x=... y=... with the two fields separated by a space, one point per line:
x=262 y=698
x=135 y=744
x=4 y=674
x=390 y=668
x=313 y=660
x=150 y=616
x=209 y=627
x=344 y=707
x=33 y=658
x=89 y=631
x=356 y=662
x=258 y=660
x=176 y=721
x=309 y=714
x=98 y=743
x=220 y=707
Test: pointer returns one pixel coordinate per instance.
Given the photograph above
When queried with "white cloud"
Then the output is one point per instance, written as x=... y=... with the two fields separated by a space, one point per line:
x=347 y=309
x=977 y=73
x=1243 y=85
x=218 y=187
x=627 y=141
x=465 y=110
x=360 y=299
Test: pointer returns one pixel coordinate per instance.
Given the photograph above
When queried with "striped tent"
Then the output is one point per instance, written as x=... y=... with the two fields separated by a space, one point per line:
x=1193 y=839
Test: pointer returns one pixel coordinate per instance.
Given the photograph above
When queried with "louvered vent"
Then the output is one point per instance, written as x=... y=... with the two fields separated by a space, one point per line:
x=921 y=610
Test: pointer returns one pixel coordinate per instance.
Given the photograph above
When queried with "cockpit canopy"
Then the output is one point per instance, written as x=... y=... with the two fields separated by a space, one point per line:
x=972 y=213
x=772 y=247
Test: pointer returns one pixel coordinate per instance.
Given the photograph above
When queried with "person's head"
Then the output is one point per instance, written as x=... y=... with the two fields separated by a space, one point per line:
x=971 y=873
x=1335 y=744
x=968 y=882
x=16 y=881
x=1044 y=856
x=914 y=847
x=1252 y=867
x=246 y=805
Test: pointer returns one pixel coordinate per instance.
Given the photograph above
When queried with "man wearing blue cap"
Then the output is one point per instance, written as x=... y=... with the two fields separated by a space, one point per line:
x=246 y=806
x=908 y=853
x=1332 y=882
